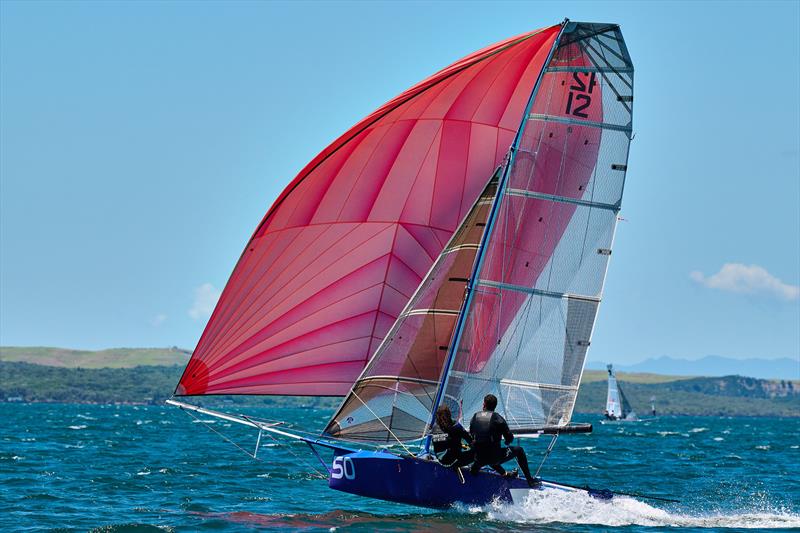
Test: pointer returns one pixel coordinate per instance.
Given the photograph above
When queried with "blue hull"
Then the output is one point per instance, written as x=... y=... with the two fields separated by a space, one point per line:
x=424 y=483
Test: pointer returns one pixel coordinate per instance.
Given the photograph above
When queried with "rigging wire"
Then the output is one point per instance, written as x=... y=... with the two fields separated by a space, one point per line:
x=382 y=423
x=251 y=455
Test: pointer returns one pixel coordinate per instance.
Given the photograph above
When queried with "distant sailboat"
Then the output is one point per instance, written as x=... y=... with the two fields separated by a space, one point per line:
x=452 y=244
x=617 y=405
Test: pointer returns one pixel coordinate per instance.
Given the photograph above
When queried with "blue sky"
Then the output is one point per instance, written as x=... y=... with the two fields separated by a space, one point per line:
x=140 y=144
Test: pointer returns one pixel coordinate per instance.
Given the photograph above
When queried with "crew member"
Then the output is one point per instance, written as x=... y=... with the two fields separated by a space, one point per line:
x=447 y=443
x=488 y=429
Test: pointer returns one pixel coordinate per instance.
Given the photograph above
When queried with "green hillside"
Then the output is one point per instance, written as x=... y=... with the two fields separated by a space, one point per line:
x=725 y=396
x=590 y=376
x=140 y=385
x=112 y=358
x=149 y=375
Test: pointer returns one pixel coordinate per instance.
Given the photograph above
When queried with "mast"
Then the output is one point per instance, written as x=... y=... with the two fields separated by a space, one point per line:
x=470 y=291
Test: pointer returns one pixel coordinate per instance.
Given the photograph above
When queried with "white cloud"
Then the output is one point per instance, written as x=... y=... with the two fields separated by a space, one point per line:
x=750 y=279
x=157 y=320
x=205 y=298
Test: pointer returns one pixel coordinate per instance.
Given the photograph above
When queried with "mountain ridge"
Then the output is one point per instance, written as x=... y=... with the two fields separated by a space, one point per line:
x=711 y=366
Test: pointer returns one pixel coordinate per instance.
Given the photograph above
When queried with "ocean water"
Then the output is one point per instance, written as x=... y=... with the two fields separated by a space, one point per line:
x=137 y=468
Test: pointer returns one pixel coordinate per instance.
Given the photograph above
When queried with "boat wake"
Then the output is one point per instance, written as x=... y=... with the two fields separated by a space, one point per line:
x=543 y=507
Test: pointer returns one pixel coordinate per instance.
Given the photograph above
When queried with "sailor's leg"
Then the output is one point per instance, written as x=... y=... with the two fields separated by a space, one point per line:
x=522 y=460
x=475 y=468
x=464 y=458
x=499 y=469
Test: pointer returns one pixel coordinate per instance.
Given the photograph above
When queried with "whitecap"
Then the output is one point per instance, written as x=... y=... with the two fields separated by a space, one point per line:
x=78 y=427
x=549 y=506
x=719 y=439
x=763 y=447
x=698 y=430
x=581 y=448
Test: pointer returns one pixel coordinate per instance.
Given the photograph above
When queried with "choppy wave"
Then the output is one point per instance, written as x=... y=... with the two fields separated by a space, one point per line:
x=115 y=475
x=543 y=507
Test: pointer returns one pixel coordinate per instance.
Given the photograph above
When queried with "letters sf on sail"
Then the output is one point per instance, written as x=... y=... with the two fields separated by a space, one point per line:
x=368 y=254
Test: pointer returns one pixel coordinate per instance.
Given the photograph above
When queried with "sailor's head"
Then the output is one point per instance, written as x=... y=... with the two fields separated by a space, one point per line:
x=444 y=417
x=489 y=402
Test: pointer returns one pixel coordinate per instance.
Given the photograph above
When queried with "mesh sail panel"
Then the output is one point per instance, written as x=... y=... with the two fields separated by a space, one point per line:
x=394 y=396
x=530 y=319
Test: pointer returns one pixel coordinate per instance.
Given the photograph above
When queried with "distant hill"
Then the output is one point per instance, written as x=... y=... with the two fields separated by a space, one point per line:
x=590 y=376
x=149 y=375
x=713 y=365
x=716 y=396
x=111 y=358
x=26 y=382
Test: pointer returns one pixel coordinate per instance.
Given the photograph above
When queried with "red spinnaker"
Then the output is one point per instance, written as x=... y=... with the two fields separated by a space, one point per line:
x=345 y=245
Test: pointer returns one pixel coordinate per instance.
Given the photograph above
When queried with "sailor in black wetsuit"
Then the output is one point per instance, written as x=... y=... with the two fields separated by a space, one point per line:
x=447 y=444
x=487 y=429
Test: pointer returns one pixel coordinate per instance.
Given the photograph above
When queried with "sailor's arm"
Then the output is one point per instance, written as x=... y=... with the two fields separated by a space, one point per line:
x=507 y=435
x=464 y=434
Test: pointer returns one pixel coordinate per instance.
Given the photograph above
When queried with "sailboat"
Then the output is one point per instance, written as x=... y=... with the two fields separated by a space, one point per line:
x=453 y=243
x=617 y=405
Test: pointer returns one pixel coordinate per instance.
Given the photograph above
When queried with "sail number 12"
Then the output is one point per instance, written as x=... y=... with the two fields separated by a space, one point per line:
x=580 y=91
